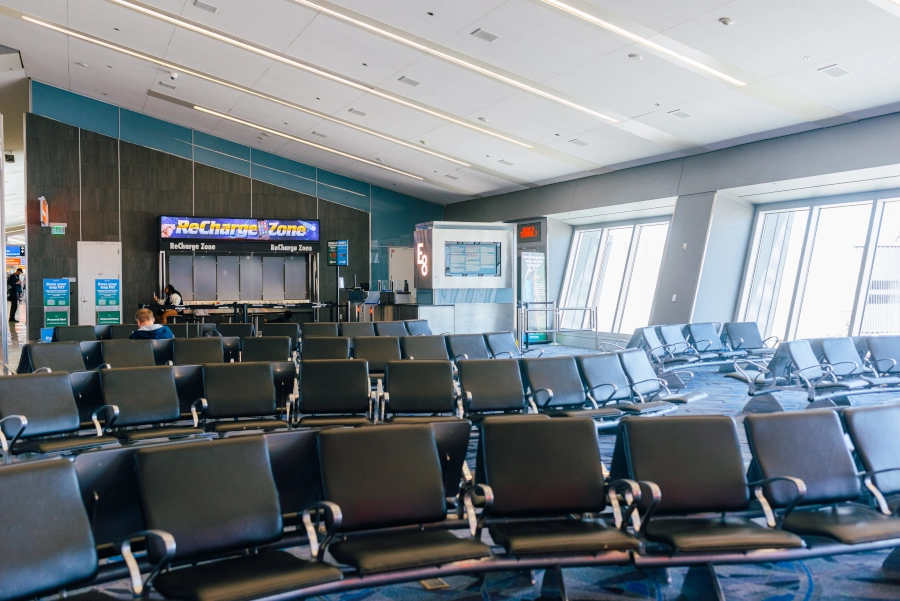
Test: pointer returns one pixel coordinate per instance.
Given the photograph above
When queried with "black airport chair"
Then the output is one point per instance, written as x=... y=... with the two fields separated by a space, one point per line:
x=502 y=345
x=418 y=327
x=335 y=393
x=885 y=354
x=527 y=520
x=428 y=348
x=128 y=353
x=47 y=546
x=92 y=354
x=843 y=357
x=163 y=351
x=648 y=386
x=319 y=329
x=745 y=336
x=467 y=346
x=396 y=494
x=219 y=499
x=56 y=356
x=695 y=467
x=705 y=338
x=267 y=348
x=422 y=391
x=231 y=347
x=146 y=396
x=674 y=335
x=38 y=414
x=321 y=347
x=377 y=350
x=121 y=331
x=662 y=354
x=491 y=386
x=390 y=328
x=873 y=432
x=182 y=330
x=241 y=330
x=74 y=334
x=236 y=391
x=609 y=386
x=818 y=378
x=294 y=457
x=292 y=330
x=557 y=390
x=352 y=330
x=812 y=477
x=198 y=351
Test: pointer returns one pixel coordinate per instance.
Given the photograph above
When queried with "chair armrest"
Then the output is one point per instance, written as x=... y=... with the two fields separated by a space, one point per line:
x=876 y=364
x=656 y=497
x=104 y=366
x=663 y=384
x=775 y=338
x=615 y=389
x=6 y=445
x=195 y=414
x=110 y=415
x=758 y=492
x=484 y=491
x=870 y=486
x=8 y=368
x=547 y=391
x=167 y=544
x=708 y=342
x=42 y=370
x=736 y=343
x=539 y=351
x=853 y=363
x=495 y=355
x=631 y=492
x=458 y=357
x=317 y=549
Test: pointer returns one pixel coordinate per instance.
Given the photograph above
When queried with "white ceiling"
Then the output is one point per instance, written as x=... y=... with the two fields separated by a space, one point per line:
x=776 y=46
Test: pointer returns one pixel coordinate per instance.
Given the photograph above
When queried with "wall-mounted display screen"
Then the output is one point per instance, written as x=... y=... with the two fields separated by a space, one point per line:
x=242 y=230
x=475 y=259
x=529 y=232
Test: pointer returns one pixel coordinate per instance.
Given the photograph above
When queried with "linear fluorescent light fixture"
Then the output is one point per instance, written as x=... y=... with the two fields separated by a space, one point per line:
x=640 y=40
x=452 y=59
x=305 y=67
x=180 y=69
x=275 y=132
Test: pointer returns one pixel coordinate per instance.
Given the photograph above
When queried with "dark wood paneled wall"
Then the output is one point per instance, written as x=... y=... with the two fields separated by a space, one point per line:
x=101 y=208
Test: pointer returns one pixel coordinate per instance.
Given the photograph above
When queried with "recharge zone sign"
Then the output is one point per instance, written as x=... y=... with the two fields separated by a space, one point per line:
x=238 y=230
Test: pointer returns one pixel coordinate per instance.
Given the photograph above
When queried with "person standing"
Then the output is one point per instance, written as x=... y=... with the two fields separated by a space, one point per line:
x=13 y=293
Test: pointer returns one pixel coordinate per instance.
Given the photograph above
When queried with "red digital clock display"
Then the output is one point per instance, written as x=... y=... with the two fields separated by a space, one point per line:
x=530 y=232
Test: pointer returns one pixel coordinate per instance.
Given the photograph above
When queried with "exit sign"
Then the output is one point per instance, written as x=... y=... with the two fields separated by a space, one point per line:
x=58 y=230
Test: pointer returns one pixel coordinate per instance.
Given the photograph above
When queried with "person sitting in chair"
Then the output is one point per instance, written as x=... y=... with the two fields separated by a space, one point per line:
x=148 y=329
x=172 y=298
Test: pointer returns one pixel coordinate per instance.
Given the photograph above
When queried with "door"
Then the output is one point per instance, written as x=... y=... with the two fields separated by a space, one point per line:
x=401 y=266
x=96 y=261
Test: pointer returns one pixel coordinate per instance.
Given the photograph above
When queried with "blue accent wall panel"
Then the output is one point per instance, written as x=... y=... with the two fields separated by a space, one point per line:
x=221 y=161
x=74 y=109
x=144 y=130
x=278 y=163
x=395 y=215
x=342 y=195
x=220 y=145
x=285 y=180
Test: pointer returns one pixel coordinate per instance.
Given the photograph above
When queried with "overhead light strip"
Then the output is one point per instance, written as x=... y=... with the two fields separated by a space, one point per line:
x=454 y=60
x=640 y=40
x=275 y=132
x=239 y=88
x=308 y=68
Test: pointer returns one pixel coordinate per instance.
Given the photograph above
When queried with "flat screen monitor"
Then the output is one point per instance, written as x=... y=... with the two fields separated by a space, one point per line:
x=472 y=259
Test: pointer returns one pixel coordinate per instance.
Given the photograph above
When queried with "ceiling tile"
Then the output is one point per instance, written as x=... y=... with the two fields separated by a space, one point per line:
x=389 y=117
x=271 y=23
x=271 y=114
x=609 y=146
x=306 y=89
x=102 y=19
x=216 y=58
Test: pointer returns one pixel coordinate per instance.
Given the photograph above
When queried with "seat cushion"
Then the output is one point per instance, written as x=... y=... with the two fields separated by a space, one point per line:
x=149 y=433
x=244 y=578
x=645 y=408
x=684 y=397
x=715 y=534
x=423 y=419
x=247 y=424
x=881 y=380
x=65 y=444
x=599 y=413
x=850 y=524
x=397 y=551
x=335 y=420
x=564 y=536
x=847 y=384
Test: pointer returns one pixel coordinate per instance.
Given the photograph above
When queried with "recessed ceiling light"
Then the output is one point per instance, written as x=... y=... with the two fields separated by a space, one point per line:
x=443 y=55
x=448 y=176
x=487 y=36
x=357 y=112
x=726 y=21
x=320 y=134
x=680 y=114
x=640 y=40
x=504 y=162
x=295 y=63
x=167 y=85
x=301 y=141
x=578 y=142
x=408 y=80
x=834 y=71
x=81 y=64
x=636 y=57
x=175 y=68
x=483 y=119
x=206 y=6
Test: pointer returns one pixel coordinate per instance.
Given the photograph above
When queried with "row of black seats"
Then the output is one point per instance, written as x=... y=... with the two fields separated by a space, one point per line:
x=677 y=494
x=80 y=356
x=411 y=327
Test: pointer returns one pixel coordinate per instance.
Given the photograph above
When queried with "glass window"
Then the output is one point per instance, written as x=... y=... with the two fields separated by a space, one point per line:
x=881 y=314
x=612 y=270
x=579 y=278
x=837 y=250
x=644 y=273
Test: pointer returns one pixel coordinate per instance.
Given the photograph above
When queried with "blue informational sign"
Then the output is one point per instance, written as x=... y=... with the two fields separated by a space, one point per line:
x=211 y=229
x=107 y=293
x=338 y=253
x=15 y=251
x=56 y=292
x=47 y=334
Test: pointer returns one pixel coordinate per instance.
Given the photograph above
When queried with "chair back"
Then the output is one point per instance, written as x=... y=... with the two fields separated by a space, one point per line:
x=470 y=345
x=377 y=350
x=128 y=353
x=266 y=348
x=429 y=348
x=58 y=356
x=418 y=327
x=558 y=374
x=502 y=345
x=46 y=401
x=239 y=390
x=494 y=385
x=334 y=386
x=422 y=387
x=390 y=328
x=604 y=377
x=317 y=348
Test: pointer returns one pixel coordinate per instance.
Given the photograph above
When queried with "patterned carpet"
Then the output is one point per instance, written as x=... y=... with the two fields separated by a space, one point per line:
x=857 y=576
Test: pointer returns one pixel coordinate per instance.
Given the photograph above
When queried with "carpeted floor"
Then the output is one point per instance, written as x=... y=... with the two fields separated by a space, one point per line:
x=857 y=576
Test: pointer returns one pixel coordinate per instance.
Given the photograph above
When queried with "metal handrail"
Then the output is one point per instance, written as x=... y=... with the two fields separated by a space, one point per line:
x=524 y=329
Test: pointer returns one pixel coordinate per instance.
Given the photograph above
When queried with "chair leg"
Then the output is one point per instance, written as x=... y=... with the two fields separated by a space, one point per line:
x=673 y=381
x=658 y=575
x=822 y=404
x=892 y=563
x=764 y=403
x=553 y=587
x=701 y=584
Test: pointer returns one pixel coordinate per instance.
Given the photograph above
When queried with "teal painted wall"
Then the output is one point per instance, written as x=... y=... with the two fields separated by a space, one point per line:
x=393 y=215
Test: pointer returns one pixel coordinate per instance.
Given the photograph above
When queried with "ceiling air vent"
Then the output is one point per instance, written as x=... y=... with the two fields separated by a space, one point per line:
x=680 y=114
x=408 y=81
x=320 y=134
x=167 y=85
x=487 y=36
x=502 y=162
x=578 y=142
x=205 y=6
x=448 y=176
x=357 y=112
x=834 y=71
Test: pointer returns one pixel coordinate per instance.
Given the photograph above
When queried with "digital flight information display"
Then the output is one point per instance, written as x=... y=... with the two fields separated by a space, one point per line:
x=473 y=259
